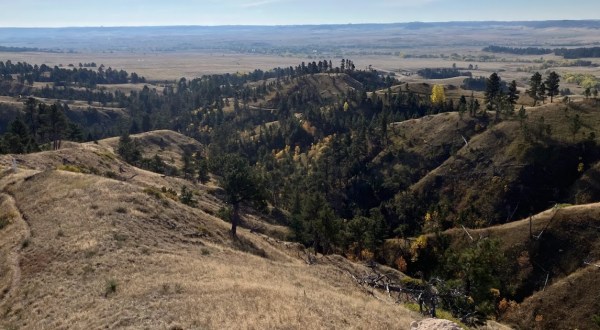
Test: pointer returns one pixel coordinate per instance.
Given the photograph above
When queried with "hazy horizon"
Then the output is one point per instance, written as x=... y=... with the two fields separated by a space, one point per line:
x=288 y=25
x=138 y=13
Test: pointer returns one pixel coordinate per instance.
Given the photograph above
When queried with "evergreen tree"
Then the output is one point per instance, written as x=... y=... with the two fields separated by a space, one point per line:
x=462 y=106
x=241 y=183
x=56 y=125
x=17 y=140
x=128 y=149
x=542 y=93
x=535 y=85
x=202 y=167
x=513 y=93
x=188 y=165
x=493 y=91
x=552 y=85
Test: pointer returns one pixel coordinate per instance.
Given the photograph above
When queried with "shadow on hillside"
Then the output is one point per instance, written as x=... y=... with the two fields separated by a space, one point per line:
x=245 y=245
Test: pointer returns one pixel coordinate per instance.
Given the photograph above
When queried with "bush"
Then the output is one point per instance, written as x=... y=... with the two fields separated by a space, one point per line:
x=596 y=320
x=224 y=213
x=110 y=287
x=112 y=175
x=170 y=193
x=187 y=197
x=154 y=192
x=70 y=168
x=4 y=221
x=121 y=210
x=25 y=243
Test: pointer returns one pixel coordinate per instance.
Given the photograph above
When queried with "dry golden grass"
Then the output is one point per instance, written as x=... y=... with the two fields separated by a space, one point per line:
x=504 y=144
x=570 y=303
x=104 y=253
x=166 y=144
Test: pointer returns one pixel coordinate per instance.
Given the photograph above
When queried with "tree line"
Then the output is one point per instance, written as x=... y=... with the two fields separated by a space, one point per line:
x=567 y=53
x=41 y=126
x=443 y=73
x=83 y=77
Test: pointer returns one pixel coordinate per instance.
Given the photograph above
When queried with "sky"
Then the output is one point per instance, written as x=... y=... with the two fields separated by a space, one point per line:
x=63 y=13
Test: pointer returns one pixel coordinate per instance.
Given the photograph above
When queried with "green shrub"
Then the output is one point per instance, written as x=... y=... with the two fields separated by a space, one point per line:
x=596 y=320
x=121 y=210
x=70 y=168
x=154 y=192
x=224 y=213
x=170 y=193
x=25 y=243
x=112 y=175
x=4 y=221
x=120 y=237
x=110 y=287
x=187 y=197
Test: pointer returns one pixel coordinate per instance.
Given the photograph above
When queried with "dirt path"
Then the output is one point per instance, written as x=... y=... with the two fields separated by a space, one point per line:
x=22 y=233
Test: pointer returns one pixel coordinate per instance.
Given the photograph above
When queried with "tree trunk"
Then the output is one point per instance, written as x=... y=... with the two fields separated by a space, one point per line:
x=235 y=218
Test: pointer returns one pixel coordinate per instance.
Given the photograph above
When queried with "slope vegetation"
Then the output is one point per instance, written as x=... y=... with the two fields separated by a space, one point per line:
x=81 y=250
x=503 y=173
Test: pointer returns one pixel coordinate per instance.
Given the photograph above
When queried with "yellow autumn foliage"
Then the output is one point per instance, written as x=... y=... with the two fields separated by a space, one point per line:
x=438 y=95
x=416 y=246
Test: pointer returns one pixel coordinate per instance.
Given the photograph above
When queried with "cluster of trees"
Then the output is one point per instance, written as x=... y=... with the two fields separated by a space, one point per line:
x=322 y=66
x=572 y=53
x=27 y=73
x=518 y=51
x=88 y=65
x=568 y=53
x=479 y=84
x=501 y=96
x=499 y=100
x=442 y=73
x=539 y=89
x=23 y=49
x=41 y=127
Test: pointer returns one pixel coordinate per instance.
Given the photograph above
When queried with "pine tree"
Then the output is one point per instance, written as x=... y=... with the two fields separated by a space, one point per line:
x=552 y=85
x=462 y=106
x=188 y=166
x=128 y=149
x=241 y=183
x=493 y=91
x=513 y=93
x=542 y=93
x=57 y=125
x=535 y=84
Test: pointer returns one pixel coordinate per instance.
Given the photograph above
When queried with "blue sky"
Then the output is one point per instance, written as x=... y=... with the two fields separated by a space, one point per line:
x=60 y=13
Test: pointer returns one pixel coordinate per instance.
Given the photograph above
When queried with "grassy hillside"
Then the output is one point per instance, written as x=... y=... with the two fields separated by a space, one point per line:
x=168 y=145
x=503 y=172
x=82 y=250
